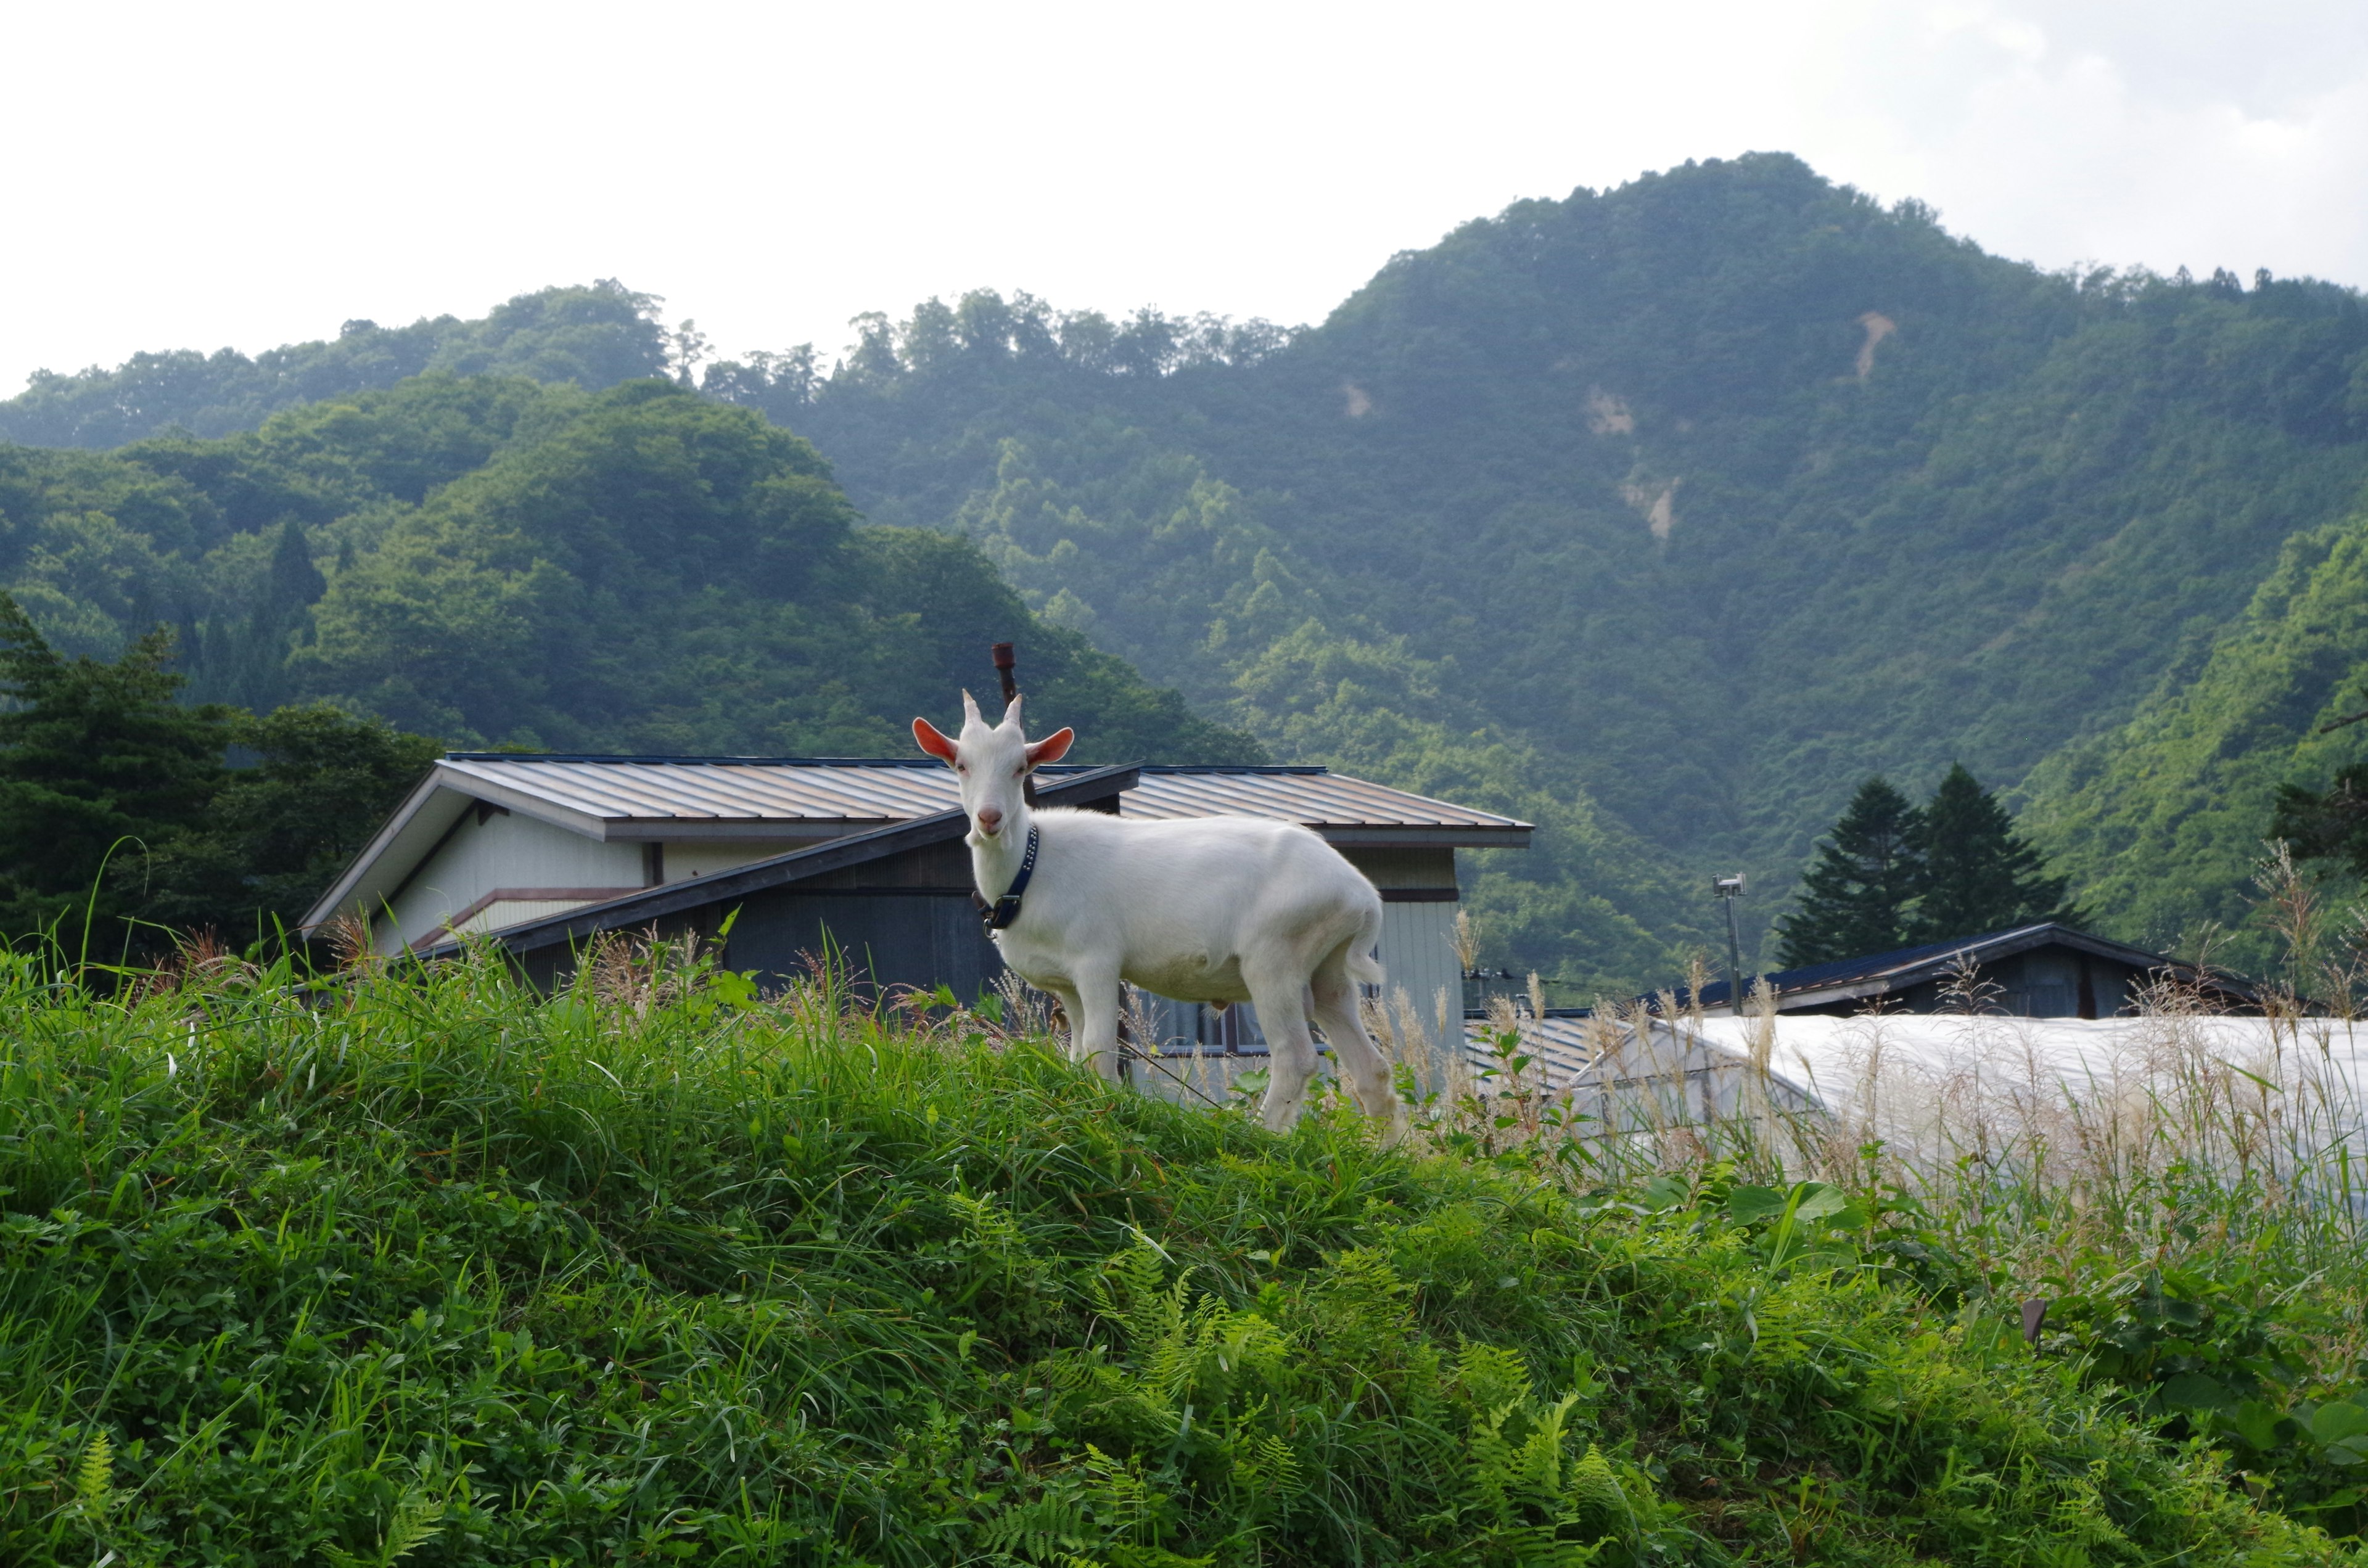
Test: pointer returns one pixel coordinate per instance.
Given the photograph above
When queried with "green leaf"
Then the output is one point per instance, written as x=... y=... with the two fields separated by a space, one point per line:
x=1665 y=1192
x=2337 y=1420
x=1819 y=1202
x=1750 y=1205
x=2193 y=1390
x=2256 y=1423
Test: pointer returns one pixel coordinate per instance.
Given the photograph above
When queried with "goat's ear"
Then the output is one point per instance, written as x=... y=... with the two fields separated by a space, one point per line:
x=925 y=735
x=1052 y=748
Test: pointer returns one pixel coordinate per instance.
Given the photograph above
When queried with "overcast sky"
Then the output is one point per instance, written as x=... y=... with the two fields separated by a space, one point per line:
x=200 y=175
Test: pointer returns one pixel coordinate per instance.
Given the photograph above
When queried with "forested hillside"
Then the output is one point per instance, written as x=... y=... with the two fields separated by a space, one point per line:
x=2163 y=819
x=1663 y=516
x=593 y=337
x=1706 y=497
x=495 y=562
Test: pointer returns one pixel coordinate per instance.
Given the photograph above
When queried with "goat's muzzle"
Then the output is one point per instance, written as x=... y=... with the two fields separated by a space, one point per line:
x=990 y=821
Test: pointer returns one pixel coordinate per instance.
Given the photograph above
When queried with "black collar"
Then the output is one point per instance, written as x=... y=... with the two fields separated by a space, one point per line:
x=1006 y=910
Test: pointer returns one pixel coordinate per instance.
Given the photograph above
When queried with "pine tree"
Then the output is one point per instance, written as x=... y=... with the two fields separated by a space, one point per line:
x=1979 y=874
x=2330 y=826
x=1856 y=899
x=91 y=754
x=279 y=831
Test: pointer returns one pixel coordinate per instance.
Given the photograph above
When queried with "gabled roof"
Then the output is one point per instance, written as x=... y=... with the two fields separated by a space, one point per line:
x=800 y=799
x=1877 y=975
x=645 y=796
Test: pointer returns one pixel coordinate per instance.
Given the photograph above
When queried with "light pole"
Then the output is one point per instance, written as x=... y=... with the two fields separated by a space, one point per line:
x=1728 y=890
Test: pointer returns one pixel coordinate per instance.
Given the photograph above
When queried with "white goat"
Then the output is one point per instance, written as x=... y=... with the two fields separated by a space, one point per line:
x=1212 y=909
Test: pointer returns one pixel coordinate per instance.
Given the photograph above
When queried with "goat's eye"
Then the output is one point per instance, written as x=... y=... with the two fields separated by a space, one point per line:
x=1018 y=771
x=961 y=768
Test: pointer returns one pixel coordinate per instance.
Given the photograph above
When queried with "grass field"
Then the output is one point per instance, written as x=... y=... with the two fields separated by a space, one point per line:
x=432 y=1269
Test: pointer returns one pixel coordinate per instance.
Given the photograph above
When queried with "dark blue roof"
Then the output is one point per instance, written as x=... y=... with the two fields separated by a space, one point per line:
x=1840 y=971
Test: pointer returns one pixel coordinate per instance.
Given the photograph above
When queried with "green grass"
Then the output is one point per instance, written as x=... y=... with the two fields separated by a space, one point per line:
x=433 y=1269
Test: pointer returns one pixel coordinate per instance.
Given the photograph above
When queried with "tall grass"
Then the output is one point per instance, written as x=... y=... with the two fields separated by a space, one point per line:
x=429 y=1268
x=2180 y=1198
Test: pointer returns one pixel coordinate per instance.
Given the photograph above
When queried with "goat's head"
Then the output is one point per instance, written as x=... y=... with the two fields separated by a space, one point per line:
x=993 y=761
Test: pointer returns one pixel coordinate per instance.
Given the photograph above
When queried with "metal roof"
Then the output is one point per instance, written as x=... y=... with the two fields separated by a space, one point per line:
x=627 y=796
x=721 y=790
x=798 y=800
x=1334 y=804
x=1877 y=974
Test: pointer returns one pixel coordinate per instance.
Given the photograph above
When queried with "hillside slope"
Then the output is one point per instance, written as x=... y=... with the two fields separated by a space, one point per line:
x=593 y=337
x=2163 y=820
x=1714 y=493
x=493 y=562
x=652 y=1271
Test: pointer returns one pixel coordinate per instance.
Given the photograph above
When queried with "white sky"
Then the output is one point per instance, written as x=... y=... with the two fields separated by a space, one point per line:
x=200 y=175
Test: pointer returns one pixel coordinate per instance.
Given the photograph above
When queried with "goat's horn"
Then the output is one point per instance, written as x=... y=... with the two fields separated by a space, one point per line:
x=970 y=708
x=1011 y=712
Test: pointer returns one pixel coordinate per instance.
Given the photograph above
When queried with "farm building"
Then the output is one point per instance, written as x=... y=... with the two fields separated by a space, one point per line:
x=2042 y=971
x=862 y=858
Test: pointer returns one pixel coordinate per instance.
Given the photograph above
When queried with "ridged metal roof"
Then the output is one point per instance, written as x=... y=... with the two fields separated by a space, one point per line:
x=834 y=790
x=645 y=789
x=1315 y=797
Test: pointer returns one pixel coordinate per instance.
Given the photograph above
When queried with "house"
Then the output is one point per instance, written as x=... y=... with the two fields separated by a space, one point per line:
x=862 y=858
x=2042 y=971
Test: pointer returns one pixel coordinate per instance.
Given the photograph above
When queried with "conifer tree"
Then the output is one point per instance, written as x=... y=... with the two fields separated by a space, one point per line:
x=1857 y=898
x=2332 y=826
x=91 y=754
x=1978 y=873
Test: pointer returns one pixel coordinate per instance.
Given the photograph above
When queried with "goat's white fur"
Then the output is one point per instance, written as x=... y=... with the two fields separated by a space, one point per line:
x=1209 y=909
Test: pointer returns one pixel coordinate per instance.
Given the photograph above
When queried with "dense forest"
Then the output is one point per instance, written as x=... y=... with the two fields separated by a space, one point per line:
x=1663 y=516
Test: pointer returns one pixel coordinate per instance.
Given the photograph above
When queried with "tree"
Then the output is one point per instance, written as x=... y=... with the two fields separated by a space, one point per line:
x=93 y=755
x=279 y=831
x=1857 y=898
x=1979 y=874
x=245 y=660
x=2330 y=825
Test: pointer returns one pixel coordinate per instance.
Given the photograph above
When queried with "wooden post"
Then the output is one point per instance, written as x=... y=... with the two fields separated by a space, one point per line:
x=1006 y=675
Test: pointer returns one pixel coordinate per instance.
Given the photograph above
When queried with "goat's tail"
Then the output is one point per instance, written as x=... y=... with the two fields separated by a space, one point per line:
x=1364 y=964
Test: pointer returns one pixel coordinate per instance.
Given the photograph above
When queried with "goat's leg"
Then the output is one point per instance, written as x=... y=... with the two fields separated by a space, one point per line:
x=1282 y=1002
x=1360 y=1063
x=1093 y=1039
x=1072 y=1017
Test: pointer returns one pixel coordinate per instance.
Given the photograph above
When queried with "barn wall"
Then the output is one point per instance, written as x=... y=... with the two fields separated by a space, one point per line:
x=1419 y=953
x=507 y=851
x=902 y=920
x=687 y=857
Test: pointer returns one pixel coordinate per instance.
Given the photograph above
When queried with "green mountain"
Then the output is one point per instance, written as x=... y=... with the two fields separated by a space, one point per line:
x=594 y=337
x=2162 y=821
x=1662 y=515
x=1707 y=496
x=495 y=561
